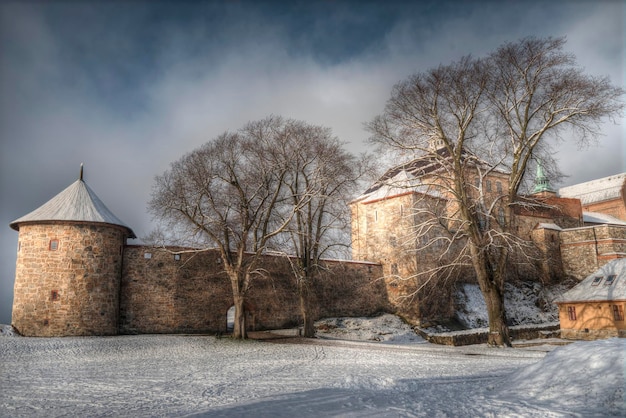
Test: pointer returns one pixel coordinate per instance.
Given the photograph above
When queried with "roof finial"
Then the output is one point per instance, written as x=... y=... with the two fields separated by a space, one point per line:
x=81 y=172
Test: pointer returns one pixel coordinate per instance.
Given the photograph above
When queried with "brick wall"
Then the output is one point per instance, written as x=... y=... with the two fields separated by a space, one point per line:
x=67 y=279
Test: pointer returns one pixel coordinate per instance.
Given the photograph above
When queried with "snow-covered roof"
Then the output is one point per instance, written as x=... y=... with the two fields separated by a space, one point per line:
x=408 y=177
x=598 y=286
x=76 y=203
x=401 y=183
x=601 y=218
x=594 y=191
x=549 y=226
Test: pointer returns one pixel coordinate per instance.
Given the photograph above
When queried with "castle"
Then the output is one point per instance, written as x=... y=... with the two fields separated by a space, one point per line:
x=575 y=231
x=76 y=274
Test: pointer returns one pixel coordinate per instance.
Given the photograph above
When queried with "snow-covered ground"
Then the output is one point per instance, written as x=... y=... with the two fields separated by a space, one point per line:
x=152 y=375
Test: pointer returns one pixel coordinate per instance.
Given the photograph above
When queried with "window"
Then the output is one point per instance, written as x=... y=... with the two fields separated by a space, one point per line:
x=54 y=295
x=596 y=280
x=477 y=182
x=609 y=280
x=54 y=245
x=498 y=187
x=618 y=312
x=488 y=184
x=571 y=313
x=501 y=217
x=177 y=257
x=394 y=269
x=147 y=256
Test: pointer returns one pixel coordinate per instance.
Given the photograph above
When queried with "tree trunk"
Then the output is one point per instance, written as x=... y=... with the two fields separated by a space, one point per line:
x=239 y=330
x=498 y=328
x=303 y=290
x=494 y=299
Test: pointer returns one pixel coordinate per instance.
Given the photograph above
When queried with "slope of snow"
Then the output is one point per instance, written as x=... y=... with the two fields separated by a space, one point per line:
x=521 y=303
x=586 y=377
x=165 y=375
x=384 y=328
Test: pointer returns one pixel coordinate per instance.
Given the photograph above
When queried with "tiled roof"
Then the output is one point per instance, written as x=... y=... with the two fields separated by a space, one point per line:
x=594 y=191
x=587 y=291
x=76 y=203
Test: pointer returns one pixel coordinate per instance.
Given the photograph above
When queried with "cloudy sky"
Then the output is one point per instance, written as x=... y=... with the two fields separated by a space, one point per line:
x=128 y=87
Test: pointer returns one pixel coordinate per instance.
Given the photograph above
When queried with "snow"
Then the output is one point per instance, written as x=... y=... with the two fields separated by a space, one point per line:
x=522 y=302
x=586 y=291
x=388 y=329
x=596 y=190
x=166 y=375
x=601 y=218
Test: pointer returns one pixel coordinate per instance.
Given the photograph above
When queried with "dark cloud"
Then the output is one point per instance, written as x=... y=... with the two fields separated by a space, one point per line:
x=128 y=87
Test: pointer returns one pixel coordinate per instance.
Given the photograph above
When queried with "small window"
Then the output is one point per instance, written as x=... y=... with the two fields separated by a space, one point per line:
x=571 y=313
x=501 y=217
x=596 y=280
x=147 y=256
x=618 y=312
x=177 y=257
x=609 y=280
x=394 y=269
x=54 y=295
x=498 y=187
x=477 y=182
x=54 y=244
x=375 y=216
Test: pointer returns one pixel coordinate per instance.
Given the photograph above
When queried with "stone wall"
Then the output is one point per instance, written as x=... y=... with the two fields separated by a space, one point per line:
x=176 y=290
x=584 y=250
x=67 y=279
x=384 y=231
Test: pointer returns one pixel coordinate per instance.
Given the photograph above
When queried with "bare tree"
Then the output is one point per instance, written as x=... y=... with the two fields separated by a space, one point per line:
x=321 y=179
x=476 y=120
x=225 y=194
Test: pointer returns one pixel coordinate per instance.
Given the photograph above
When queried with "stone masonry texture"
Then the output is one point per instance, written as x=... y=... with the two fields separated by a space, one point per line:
x=67 y=279
x=175 y=290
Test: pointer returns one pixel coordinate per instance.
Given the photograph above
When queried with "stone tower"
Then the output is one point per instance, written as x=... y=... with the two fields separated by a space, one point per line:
x=69 y=266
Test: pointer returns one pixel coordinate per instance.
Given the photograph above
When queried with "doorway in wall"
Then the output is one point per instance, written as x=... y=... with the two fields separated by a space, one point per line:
x=230 y=319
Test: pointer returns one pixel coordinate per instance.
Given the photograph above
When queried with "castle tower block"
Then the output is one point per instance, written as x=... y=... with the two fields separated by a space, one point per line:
x=69 y=266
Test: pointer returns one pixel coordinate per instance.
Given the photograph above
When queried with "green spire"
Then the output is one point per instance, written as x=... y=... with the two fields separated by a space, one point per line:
x=542 y=183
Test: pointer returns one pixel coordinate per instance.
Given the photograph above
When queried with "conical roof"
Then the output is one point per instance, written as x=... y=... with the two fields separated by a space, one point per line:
x=76 y=203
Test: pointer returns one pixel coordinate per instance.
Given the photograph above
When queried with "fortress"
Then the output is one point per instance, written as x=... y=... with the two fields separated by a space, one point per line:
x=76 y=275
